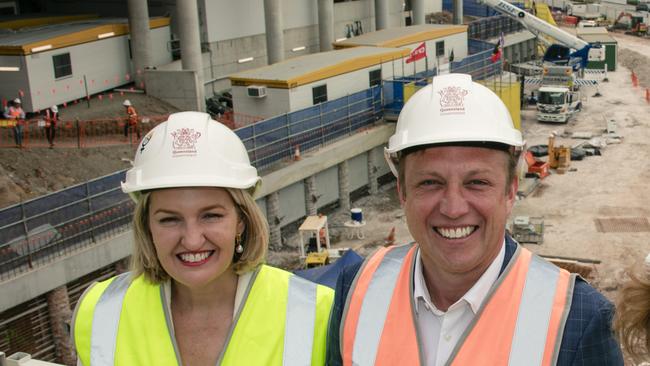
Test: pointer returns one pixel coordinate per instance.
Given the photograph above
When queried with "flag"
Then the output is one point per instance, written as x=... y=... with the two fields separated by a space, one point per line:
x=451 y=56
x=498 y=49
x=418 y=53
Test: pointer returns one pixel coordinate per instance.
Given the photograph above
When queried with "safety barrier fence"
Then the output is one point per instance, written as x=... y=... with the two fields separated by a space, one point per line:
x=236 y=120
x=76 y=133
x=276 y=139
x=491 y=27
x=52 y=226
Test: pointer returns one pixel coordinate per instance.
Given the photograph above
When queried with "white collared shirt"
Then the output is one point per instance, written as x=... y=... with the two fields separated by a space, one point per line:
x=440 y=331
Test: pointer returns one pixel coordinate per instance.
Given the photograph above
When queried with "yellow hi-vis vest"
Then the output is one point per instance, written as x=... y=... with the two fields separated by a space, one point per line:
x=282 y=320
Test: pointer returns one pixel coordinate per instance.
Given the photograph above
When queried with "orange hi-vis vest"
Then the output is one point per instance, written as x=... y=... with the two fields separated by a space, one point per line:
x=521 y=322
x=133 y=115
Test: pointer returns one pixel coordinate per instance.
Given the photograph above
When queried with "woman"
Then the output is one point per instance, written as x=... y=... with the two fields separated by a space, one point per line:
x=632 y=317
x=198 y=293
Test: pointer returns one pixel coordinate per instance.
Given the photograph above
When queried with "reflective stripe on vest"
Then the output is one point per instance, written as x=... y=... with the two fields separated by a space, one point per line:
x=377 y=307
x=304 y=303
x=106 y=320
x=299 y=324
x=536 y=294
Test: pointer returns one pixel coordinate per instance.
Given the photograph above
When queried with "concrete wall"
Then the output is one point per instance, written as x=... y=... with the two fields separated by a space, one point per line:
x=275 y=103
x=289 y=181
x=44 y=279
x=178 y=88
x=235 y=30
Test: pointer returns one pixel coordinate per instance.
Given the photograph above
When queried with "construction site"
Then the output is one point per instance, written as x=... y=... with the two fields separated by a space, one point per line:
x=314 y=94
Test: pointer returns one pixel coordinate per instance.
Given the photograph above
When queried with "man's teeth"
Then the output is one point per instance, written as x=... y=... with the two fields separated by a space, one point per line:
x=455 y=233
x=194 y=257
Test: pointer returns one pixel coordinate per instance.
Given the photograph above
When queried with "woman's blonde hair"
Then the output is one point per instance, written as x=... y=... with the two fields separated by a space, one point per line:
x=632 y=317
x=254 y=239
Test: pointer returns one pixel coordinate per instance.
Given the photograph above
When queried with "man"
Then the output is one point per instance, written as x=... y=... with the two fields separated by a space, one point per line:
x=464 y=293
x=132 y=121
x=51 y=120
x=17 y=113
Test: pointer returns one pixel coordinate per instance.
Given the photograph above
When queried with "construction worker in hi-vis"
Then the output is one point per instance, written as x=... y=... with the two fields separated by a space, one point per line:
x=132 y=119
x=198 y=292
x=464 y=293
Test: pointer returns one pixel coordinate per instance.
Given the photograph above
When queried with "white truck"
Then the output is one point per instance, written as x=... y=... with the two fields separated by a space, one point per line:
x=558 y=99
x=557 y=104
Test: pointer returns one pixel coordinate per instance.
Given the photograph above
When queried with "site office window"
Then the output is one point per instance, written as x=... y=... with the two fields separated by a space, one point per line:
x=440 y=49
x=375 y=77
x=319 y=94
x=62 y=65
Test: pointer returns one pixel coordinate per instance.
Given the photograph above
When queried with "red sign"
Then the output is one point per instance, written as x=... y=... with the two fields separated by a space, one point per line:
x=418 y=53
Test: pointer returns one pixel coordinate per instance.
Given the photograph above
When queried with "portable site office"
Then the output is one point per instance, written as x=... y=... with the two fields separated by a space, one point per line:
x=594 y=35
x=308 y=80
x=46 y=65
x=440 y=40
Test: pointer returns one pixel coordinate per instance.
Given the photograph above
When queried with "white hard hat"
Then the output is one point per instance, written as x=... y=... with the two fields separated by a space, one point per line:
x=451 y=109
x=17 y=101
x=126 y=103
x=55 y=109
x=190 y=150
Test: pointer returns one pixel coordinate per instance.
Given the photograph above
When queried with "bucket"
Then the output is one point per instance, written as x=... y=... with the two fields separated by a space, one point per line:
x=356 y=214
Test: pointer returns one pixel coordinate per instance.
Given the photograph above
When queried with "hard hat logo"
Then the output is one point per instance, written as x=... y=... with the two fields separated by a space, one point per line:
x=145 y=141
x=452 y=100
x=184 y=142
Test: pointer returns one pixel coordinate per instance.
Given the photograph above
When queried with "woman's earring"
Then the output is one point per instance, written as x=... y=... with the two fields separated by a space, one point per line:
x=238 y=247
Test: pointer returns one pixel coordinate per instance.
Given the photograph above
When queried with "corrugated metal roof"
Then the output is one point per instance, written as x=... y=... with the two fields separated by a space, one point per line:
x=402 y=36
x=317 y=66
x=602 y=38
x=21 y=42
x=591 y=30
x=34 y=20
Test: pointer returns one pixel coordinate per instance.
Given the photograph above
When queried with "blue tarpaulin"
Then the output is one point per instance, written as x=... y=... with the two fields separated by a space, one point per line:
x=327 y=275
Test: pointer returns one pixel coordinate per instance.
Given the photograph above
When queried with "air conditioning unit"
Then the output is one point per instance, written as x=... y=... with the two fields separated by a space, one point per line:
x=257 y=91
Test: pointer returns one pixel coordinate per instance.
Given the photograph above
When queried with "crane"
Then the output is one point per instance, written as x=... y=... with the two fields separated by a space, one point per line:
x=555 y=53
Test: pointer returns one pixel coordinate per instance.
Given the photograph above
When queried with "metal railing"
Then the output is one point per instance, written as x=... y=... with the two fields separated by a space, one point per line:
x=277 y=138
x=52 y=226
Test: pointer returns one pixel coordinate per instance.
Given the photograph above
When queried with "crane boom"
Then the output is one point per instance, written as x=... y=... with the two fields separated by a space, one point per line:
x=537 y=26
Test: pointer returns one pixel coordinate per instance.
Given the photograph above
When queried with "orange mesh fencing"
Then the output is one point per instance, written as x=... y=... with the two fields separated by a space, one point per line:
x=237 y=120
x=100 y=132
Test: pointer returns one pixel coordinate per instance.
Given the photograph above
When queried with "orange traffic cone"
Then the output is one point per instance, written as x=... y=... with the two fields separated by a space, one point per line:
x=296 y=153
x=390 y=239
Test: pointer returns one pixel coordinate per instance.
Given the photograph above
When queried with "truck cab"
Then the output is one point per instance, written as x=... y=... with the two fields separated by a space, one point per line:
x=557 y=104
